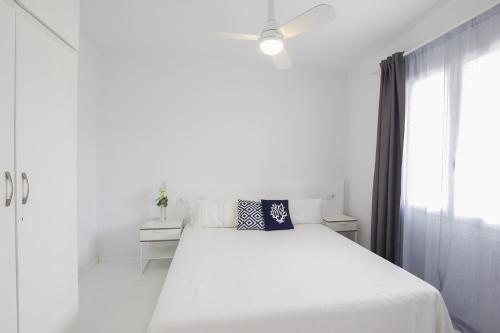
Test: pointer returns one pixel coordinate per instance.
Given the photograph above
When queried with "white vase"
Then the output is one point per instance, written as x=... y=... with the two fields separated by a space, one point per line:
x=163 y=214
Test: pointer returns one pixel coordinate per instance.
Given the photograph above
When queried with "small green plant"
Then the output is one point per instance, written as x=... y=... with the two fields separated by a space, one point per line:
x=162 y=200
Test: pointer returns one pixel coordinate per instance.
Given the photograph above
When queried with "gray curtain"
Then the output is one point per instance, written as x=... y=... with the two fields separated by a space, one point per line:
x=386 y=230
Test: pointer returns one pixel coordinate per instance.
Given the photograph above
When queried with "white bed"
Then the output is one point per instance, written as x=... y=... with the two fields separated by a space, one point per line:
x=310 y=279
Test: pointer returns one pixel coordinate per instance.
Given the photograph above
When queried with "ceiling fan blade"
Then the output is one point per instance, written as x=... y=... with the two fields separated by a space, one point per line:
x=282 y=60
x=313 y=18
x=233 y=35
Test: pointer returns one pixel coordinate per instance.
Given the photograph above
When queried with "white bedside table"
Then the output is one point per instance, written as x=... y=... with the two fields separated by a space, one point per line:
x=155 y=231
x=343 y=223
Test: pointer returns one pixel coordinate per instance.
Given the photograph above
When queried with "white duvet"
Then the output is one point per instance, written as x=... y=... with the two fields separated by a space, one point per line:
x=310 y=279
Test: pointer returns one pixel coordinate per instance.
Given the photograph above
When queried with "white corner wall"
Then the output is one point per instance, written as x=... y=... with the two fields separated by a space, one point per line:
x=87 y=155
x=164 y=119
x=363 y=94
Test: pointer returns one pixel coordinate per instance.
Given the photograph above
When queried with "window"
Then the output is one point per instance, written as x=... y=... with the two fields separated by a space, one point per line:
x=452 y=158
x=451 y=170
x=477 y=173
x=425 y=140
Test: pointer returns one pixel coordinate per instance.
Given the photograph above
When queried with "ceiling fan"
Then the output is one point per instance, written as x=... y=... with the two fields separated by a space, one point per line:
x=271 y=39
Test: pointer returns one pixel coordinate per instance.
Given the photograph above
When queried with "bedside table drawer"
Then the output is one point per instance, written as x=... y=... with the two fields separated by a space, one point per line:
x=343 y=226
x=160 y=234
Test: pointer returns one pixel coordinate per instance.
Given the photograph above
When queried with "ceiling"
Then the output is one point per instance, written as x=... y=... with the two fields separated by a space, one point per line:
x=177 y=28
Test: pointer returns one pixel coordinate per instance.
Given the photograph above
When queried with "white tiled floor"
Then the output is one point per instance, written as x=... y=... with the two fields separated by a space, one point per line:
x=116 y=298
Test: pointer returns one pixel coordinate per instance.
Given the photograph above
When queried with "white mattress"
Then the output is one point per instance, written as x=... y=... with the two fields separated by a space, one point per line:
x=310 y=279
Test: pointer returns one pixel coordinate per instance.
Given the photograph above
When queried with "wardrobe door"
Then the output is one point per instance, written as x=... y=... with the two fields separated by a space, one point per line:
x=46 y=77
x=8 y=307
x=63 y=16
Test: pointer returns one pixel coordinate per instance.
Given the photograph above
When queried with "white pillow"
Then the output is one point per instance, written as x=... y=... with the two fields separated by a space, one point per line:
x=227 y=210
x=213 y=214
x=305 y=211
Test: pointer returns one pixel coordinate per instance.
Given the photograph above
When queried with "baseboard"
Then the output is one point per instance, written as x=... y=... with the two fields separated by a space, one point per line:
x=85 y=268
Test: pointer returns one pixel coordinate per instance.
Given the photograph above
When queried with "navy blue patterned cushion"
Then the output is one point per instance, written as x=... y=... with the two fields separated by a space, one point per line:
x=250 y=215
x=276 y=215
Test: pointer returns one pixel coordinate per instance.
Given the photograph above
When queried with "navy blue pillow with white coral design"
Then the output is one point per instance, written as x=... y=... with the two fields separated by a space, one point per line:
x=250 y=215
x=276 y=215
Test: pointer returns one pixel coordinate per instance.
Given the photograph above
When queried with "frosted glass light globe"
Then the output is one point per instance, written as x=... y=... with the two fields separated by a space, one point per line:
x=271 y=46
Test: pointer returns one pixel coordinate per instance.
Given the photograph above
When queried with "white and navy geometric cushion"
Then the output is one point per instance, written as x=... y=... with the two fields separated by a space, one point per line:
x=250 y=215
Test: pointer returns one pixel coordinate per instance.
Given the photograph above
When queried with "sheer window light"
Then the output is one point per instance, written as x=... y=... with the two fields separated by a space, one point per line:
x=477 y=173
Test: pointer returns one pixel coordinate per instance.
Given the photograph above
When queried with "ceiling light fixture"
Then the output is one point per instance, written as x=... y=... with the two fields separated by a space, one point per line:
x=272 y=36
x=271 y=46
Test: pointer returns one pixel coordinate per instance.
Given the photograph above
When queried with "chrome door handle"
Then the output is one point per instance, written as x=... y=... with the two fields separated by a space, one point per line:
x=24 y=178
x=8 y=194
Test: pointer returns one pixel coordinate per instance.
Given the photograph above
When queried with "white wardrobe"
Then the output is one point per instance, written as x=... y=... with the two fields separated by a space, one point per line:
x=38 y=216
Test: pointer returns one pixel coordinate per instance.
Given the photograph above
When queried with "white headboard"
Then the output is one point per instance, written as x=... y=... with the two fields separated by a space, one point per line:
x=331 y=191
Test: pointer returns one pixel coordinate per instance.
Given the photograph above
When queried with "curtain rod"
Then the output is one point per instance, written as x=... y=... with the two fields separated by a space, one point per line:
x=443 y=33
x=449 y=30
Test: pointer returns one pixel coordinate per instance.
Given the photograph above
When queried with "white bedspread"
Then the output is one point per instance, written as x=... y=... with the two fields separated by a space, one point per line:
x=310 y=279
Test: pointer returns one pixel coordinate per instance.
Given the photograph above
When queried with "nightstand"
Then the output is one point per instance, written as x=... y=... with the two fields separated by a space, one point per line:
x=343 y=223
x=154 y=231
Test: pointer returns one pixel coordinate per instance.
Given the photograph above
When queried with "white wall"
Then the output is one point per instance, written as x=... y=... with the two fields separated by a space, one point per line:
x=87 y=155
x=167 y=119
x=363 y=94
